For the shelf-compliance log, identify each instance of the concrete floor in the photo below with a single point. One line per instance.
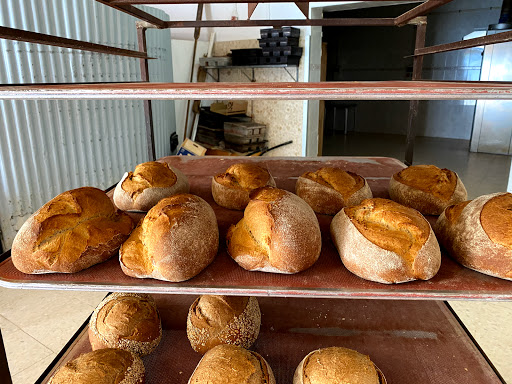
(36, 324)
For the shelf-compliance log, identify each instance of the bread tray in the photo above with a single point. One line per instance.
(328, 278)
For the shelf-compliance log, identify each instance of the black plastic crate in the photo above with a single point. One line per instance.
(291, 32)
(279, 42)
(246, 60)
(245, 52)
(282, 51)
(279, 32)
(289, 60)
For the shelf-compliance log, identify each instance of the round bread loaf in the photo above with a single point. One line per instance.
(328, 190)
(71, 232)
(147, 185)
(177, 239)
(427, 188)
(383, 241)
(214, 320)
(229, 364)
(336, 365)
(477, 233)
(231, 189)
(278, 233)
(104, 366)
(127, 321)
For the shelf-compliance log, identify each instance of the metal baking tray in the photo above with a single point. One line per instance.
(327, 278)
(410, 341)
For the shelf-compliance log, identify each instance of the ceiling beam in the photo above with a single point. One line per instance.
(135, 12)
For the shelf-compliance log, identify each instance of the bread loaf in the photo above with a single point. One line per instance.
(229, 364)
(336, 365)
(177, 239)
(478, 234)
(328, 190)
(127, 321)
(214, 320)
(104, 366)
(231, 189)
(71, 232)
(386, 242)
(278, 233)
(427, 188)
(147, 185)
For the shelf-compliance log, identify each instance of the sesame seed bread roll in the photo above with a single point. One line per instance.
(427, 188)
(279, 233)
(336, 365)
(177, 239)
(149, 183)
(73, 231)
(231, 189)
(128, 321)
(328, 190)
(477, 233)
(104, 366)
(214, 320)
(229, 364)
(383, 241)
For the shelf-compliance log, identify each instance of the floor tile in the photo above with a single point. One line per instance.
(31, 374)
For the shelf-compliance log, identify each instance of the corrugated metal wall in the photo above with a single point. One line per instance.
(47, 147)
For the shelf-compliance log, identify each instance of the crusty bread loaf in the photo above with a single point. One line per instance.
(386, 242)
(278, 233)
(478, 234)
(231, 189)
(427, 188)
(328, 190)
(229, 364)
(214, 320)
(71, 232)
(336, 365)
(147, 185)
(177, 239)
(127, 321)
(103, 366)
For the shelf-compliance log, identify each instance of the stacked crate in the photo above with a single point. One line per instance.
(210, 128)
(244, 136)
(280, 46)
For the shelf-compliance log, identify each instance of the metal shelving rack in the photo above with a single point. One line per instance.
(413, 90)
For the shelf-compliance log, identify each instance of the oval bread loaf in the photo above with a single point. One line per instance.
(73, 231)
(383, 241)
(427, 188)
(278, 233)
(478, 234)
(149, 183)
(328, 190)
(231, 189)
(176, 240)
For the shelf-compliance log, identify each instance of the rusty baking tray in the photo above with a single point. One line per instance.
(410, 341)
(327, 278)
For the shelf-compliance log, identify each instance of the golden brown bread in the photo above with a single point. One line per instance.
(231, 189)
(336, 365)
(229, 364)
(427, 188)
(278, 233)
(127, 321)
(71, 232)
(104, 366)
(386, 242)
(177, 239)
(477, 234)
(147, 185)
(214, 320)
(328, 190)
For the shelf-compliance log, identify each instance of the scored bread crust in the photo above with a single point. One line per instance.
(176, 240)
(74, 231)
(149, 196)
(148, 325)
(241, 327)
(279, 233)
(422, 201)
(326, 200)
(371, 262)
(469, 244)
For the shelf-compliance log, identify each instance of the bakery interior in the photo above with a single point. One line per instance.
(57, 139)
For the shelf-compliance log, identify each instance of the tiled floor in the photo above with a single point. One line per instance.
(36, 324)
